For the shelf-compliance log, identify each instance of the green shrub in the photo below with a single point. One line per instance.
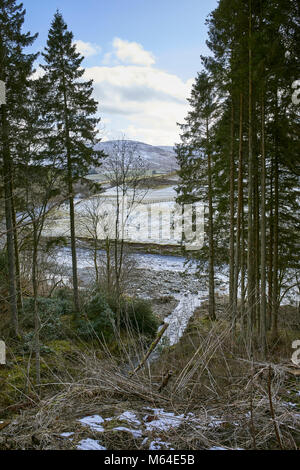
(138, 315)
(65, 296)
(50, 311)
(100, 319)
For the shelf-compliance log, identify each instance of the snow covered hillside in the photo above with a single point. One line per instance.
(161, 159)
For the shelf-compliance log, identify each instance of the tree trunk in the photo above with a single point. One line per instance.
(17, 260)
(73, 244)
(256, 245)
(95, 260)
(270, 254)
(243, 269)
(263, 326)
(231, 249)
(37, 322)
(121, 248)
(250, 254)
(108, 265)
(275, 289)
(7, 178)
(117, 280)
(237, 254)
(275, 251)
(212, 313)
(71, 202)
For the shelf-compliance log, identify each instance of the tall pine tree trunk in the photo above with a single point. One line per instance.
(237, 255)
(243, 271)
(212, 313)
(71, 203)
(73, 241)
(7, 177)
(275, 251)
(37, 322)
(250, 254)
(256, 244)
(231, 249)
(263, 326)
(17, 259)
(275, 287)
(270, 251)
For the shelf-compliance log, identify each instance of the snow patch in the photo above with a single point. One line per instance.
(289, 403)
(162, 421)
(159, 444)
(130, 417)
(94, 422)
(67, 434)
(90, 444)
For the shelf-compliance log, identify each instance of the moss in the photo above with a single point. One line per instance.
(61, 346)
(13, 379)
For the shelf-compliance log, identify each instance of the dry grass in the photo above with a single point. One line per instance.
(236, 401)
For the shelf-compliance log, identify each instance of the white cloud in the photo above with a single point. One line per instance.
(148, 101)
(39, 72)
(132, 53)
(86, 48)
(139, 84)
(135, 98)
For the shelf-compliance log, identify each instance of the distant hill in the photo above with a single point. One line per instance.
(159, 158)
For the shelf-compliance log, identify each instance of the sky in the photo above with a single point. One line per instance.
(143, 56)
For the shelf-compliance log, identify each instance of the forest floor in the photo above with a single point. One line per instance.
(197, 394)
(197, 391)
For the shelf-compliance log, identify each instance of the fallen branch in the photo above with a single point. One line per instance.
(151, 349)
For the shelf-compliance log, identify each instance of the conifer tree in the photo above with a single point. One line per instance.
(73, 109)
(195, 157)
(15, 70)
(255, 154)
(38, 183)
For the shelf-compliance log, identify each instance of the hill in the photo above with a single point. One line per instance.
(158, 158)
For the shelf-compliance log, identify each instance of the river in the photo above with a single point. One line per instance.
(155, 276)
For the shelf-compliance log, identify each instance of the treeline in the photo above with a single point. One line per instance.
(48, 132)
(239, 152)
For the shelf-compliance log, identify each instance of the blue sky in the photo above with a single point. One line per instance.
(142, 54)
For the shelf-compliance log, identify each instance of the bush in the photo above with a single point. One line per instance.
(101, 313)
(65, 296)
(100, 319)
(50, 311)
(138, 315)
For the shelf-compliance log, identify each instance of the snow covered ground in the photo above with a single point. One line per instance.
(145, 217)
(148, 424)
